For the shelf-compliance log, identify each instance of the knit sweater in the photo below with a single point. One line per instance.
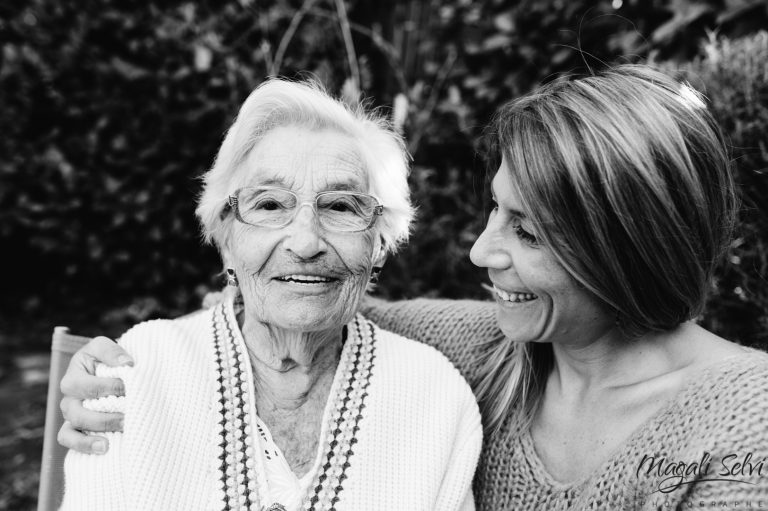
(692, 454)
(401, 429)
(717, 423)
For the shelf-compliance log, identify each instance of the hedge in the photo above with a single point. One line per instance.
(110, 111)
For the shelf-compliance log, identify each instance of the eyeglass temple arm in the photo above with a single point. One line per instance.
(231, 205)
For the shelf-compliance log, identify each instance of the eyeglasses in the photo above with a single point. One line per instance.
(272, 207)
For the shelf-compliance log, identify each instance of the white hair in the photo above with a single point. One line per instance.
(279, 103)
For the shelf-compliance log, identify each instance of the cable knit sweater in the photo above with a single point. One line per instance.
(401, 428)
(718, 422)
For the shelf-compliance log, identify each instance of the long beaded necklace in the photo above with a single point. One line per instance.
(238, 480)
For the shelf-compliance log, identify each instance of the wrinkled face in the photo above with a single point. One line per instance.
(301, 277)
(537, 299)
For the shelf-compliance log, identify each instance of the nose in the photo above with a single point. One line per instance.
(491, 248)
(304, 237)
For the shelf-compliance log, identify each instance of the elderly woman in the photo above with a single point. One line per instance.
(614, 202)
(283, 397)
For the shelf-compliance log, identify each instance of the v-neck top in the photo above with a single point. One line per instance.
(720, 417)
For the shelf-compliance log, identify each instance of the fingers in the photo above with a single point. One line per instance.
(79, 384)
(103, 349)
(87, 420)
(70, 438)
(79, 380)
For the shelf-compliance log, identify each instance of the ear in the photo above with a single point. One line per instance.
(226, 257)
(379, 253)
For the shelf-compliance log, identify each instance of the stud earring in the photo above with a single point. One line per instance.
(375, 274)
(231, 277)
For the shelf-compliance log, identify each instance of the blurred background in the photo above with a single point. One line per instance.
(110, 111)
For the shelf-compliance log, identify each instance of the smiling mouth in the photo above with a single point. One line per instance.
(514, 297)
(306, 279)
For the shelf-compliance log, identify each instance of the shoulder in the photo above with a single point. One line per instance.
(730, 398)
(420, 368)
(167, 350)
(174, 327)
(460, 329)
(742, 376)
(725, 418)
(158, 333)
(395, 349)
(415, 384)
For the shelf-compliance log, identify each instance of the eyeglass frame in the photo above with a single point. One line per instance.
(233, 203)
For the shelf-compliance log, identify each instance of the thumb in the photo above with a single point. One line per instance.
(105, 350)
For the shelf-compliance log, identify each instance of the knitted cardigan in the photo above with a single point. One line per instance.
(716, 428)
(401, 429)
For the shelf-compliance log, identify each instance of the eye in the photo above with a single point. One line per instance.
(524, 235)
(341, 206)
(267, 205)
(267, 200)
(342, 203)
(494, 208)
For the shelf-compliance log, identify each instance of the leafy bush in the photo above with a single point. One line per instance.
(734, 75)
(110, 111)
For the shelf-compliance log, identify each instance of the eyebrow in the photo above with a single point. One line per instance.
(342, 187)
(339, 186)
(272, 182)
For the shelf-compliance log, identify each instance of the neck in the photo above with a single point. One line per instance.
(290, 367)
(611, 361)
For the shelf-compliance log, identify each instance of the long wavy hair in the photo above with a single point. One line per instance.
(627, 180)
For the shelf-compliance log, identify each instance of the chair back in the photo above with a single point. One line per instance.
(51, 490)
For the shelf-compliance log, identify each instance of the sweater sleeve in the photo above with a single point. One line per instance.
(92, 481)
(460, 329)
(456, 487)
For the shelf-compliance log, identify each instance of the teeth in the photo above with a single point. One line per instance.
(304, 278)
(514, 297)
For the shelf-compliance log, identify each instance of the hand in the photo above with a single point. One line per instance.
(81, 383)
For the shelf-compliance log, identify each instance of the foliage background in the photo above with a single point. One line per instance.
(110, 111)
